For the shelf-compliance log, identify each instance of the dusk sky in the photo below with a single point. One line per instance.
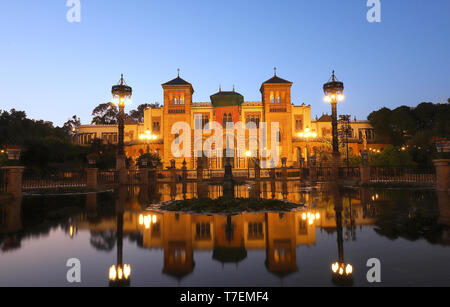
(53, 69)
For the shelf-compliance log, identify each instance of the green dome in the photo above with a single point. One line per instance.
(227, 99)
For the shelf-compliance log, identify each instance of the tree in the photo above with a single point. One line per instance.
(153, 160)
(106, 154)
(413, 128)
(391, 157)
(105, 114)
(71, 125)
(138, 115)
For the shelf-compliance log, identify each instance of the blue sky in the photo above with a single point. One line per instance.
(53, 69)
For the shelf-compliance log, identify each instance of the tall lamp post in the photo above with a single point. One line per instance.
(334, 90)
(121, 95)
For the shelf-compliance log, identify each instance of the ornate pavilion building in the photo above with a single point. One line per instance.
(154, 134)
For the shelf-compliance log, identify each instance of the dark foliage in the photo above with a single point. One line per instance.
(105, 114)
(414, 128)
(42, 144)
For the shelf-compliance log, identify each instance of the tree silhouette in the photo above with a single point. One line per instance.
(105, 114)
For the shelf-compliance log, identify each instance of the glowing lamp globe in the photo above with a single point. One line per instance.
(334, 90)
(121, 92)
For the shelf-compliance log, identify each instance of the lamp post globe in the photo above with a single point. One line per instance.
(121, 94)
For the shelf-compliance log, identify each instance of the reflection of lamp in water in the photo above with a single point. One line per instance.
(342, 272)
(311, 217)
(71, 229)
(119, 275)
(147, 220)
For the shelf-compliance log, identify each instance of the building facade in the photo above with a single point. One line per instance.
(276, 106)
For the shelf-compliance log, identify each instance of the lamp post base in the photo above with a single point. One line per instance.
(335, 164)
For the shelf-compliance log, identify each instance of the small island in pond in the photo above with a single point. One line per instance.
(229, 205)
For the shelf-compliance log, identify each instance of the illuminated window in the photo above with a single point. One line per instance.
(156, 126)
(255, 231)
(253, 118)
(203, 231)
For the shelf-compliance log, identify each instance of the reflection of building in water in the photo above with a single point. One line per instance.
(230, 237)
(10, 223)
(281, 258)
(229, 244)
(444, 215)
(281, 190)
(178, 251)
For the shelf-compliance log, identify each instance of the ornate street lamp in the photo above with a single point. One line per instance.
(334, 90)
(121, 95)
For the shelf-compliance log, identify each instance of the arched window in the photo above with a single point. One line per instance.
(278, 99)
(230, 118)
(224, 120)
(175, 101)
(181, 100)
(272, 98)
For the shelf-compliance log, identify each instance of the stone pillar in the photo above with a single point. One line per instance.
(335, 164)
(14, 174)
(442, 174)
(313, 173)
(284, 169)
(184, 171)
(364, 170)
(123, 176)
(199, 170)
(144, 176)
(272, 174)
(173, 171)
(257, 170)
(91, 178)
(153, 175)
(121, 162)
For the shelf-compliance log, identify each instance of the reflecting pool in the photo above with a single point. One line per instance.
(120, 240)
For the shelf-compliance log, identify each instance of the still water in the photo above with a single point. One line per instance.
(407, 230)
